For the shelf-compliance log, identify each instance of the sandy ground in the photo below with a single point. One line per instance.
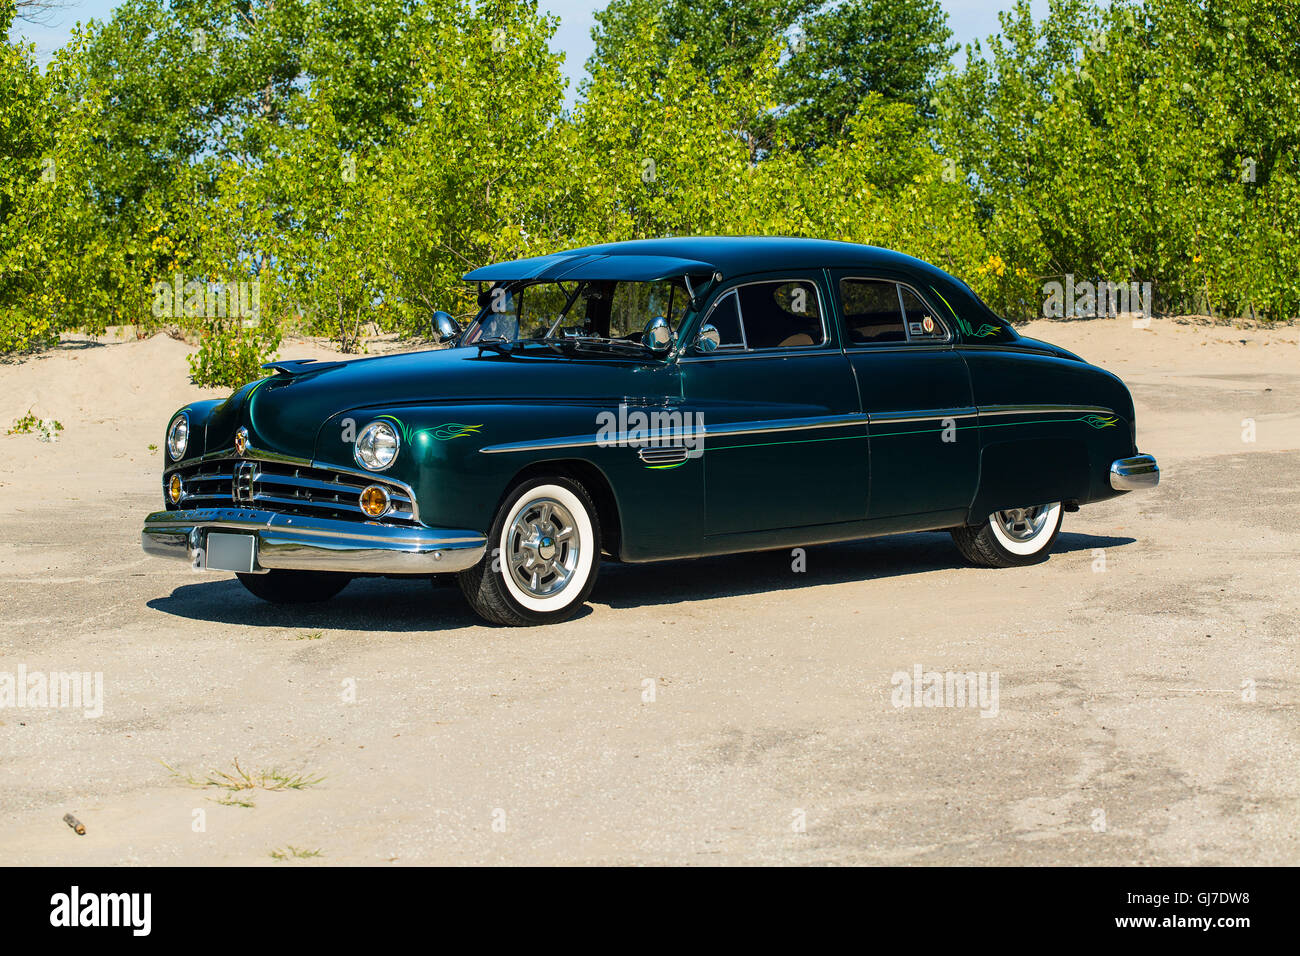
(1122, 733)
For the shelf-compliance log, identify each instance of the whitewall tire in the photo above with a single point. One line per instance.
(1012, 537)
(545, 555)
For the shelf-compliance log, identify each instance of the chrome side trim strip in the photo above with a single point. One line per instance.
(992, 410)
(787, 424)
(797, 424)
(545, 444)
(734, 428)
(735, 355)
(924, 415)
(885, 347)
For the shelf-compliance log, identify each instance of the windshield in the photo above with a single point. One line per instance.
(612, 313)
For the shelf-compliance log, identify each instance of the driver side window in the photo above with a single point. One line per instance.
(725, 317)
(781, 315)
(769, 315)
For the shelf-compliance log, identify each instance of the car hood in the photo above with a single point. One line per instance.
(283, 413)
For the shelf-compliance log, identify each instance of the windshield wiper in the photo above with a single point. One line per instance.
(596, 342)
(498, 343)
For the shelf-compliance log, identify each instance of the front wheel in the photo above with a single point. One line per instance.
(1011, 538)
(545, 555)
(282, 586)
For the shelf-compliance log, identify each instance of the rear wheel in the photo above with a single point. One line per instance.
(282, 586)
(1010, 538)
(545, 555)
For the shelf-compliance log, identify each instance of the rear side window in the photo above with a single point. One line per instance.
(783, 314)
(922, 326)
(872, 312)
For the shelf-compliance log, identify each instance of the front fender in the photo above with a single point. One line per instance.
(460, 460)
(200, 414)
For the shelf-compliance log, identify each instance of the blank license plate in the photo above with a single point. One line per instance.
(230, 552)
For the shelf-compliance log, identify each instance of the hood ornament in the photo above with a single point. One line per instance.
(241, 441)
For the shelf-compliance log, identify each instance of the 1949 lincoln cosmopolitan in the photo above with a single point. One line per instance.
(650, 400)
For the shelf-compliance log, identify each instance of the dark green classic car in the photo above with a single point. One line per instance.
(647, 401)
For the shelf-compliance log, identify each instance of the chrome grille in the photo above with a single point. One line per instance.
(285, 488)
(241, 490)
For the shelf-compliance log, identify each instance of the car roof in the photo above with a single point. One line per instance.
(643, 259)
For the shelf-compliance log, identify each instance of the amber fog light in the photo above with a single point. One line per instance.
(174, 489)
(374, 501)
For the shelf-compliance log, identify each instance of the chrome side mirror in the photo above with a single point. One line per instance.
(443, 327)
(708, 339)
(657, 335)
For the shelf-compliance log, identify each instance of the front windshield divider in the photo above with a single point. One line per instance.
(690, 290)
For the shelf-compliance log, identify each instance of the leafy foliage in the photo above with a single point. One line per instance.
(1154, 142)
(354, 157)
(854, 49)
(47, 428)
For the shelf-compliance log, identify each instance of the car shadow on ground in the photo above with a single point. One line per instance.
(367, 604)
(395, 605)
(629, 585)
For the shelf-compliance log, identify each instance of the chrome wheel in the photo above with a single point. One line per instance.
(545, 555)
(1013, 537)
(542, 551)
(1024, 524)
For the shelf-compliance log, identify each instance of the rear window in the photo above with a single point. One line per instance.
(922, 326)
(871, 311)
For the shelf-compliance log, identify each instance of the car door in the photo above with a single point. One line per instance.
(785, 442)
(916, 390)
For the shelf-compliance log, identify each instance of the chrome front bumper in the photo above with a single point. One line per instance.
(316, 544)
(1134, 474)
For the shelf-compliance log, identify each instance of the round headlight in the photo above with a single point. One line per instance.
(376, 446)
(178, 436)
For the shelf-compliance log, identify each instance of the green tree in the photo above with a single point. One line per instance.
(1147, 142)
(24, 141)
(378, 231)
(848, 50)
(722, 35)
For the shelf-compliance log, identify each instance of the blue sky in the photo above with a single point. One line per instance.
(968, 19)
